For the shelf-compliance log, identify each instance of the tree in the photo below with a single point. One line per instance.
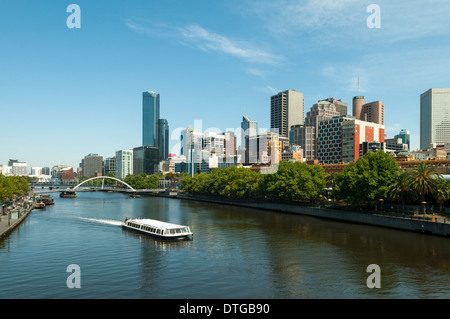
(422, 180)
(367, 180)
(441, 192)
(13, 185)
(400, 189)
(295, 181)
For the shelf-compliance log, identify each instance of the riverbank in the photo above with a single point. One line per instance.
(433, 227)
(8, 224)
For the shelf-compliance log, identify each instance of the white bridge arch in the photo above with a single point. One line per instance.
(103, 178)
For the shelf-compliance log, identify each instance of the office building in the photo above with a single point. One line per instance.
(286, 110)
(19, 168)
(368, 112)
(150, 117)
(305, 137)
(109, 166)
(395, 145)
(163, 139)
(340, 139)
(91, 165)
(145, 160)
(36, 171)
(248, 129)
(190, 139)
(405, 136)
(265, 148)
(124, 163)
(434, 117)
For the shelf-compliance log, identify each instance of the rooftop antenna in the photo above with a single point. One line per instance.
(358, 86)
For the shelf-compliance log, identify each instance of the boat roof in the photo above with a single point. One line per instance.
(155, 223)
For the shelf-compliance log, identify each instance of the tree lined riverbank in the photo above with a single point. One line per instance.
(373, 179)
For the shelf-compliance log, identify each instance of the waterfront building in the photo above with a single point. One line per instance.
(19, 169)
(145, 160)
(6, 170)
(434, 117)
(248, 129)
(67, 175)
(368, 112)
(36, 171)
(109, 166)
(124, 163)
(405, 136)
(91, 165)
(150, 117)
(45, 170)
(286, 110)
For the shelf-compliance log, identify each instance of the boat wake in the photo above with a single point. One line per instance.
(102, 221)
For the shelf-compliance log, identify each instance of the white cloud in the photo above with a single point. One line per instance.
(209, 41)
(335, 22)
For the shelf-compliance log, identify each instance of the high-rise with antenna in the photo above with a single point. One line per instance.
(358, 102)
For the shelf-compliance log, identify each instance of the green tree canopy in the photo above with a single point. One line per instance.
(13, 185)
(367, 180)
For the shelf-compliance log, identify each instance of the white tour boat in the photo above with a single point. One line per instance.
(157, 228)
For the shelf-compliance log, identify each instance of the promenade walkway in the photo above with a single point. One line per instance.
(8, 222)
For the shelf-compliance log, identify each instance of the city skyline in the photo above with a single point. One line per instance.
(79, 90)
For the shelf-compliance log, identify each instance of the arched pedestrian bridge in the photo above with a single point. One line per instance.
(77, 188)
(103, 182)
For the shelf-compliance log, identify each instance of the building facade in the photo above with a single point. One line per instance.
(286, 110)
(145, 160)
(163, 139)
(368, 112)
(405, 136)
(91, 165)
(340, 139)
(124, 163)
(434, 117)
(248, 129)
(150, 117)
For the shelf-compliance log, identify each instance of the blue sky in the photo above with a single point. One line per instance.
(66, 93)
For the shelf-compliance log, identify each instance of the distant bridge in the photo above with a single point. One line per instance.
(94, 189)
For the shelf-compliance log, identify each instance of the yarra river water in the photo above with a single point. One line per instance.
(236, 253)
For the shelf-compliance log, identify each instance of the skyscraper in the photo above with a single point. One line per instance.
(150, 117)
(163, 139)
(434, 117)
(248, 129)
(286, 109)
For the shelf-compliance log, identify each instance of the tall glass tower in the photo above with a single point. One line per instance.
(434, 117)
(150, 117)
(163, 139)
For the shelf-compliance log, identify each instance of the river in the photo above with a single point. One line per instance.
(236, 253)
